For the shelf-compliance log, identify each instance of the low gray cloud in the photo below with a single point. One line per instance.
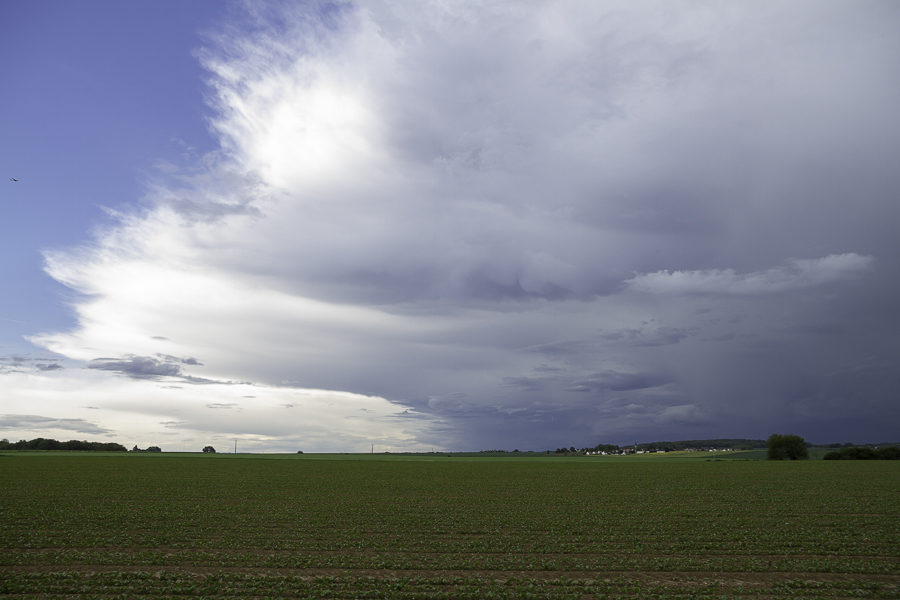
(530, 384)
(48, 367)
(798, 274)
(617, 382)
(24, 363)
(137, 367)
(663, 336)
(35, 422)
(158, 368)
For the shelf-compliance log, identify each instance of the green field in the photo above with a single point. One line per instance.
(433, 526)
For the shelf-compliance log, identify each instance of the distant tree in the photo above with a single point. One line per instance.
(45, 444)
(154, 449)
(299, 451)
(572, 449)
(209, 449)
(108, 447)
(781, 447)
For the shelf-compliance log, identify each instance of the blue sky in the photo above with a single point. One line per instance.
(96, 93)
(454, 225)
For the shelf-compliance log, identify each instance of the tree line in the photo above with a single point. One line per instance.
(794, 447)
(733, 443)
(864, 453)
(71, 445)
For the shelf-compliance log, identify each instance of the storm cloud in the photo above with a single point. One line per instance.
(529, 224)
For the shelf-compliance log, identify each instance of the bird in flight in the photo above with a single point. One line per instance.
(13, 179)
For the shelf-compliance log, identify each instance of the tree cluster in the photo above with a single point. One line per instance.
(209, 449)
(781, 447)
(71, 445)
(605, 448)
(862, 453)
(149, 449)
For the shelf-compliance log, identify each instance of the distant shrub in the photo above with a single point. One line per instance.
(209, 449)
(863, 453)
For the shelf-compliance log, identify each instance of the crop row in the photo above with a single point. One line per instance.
(162, 584)
(451, 562)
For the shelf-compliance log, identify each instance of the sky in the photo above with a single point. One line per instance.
(449, 225)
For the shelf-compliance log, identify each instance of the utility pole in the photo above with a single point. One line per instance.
(373, 448)
(235, 446)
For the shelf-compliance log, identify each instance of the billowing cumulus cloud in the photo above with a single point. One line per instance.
(522, 224)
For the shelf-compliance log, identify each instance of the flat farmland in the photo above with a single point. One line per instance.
(308, 526)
